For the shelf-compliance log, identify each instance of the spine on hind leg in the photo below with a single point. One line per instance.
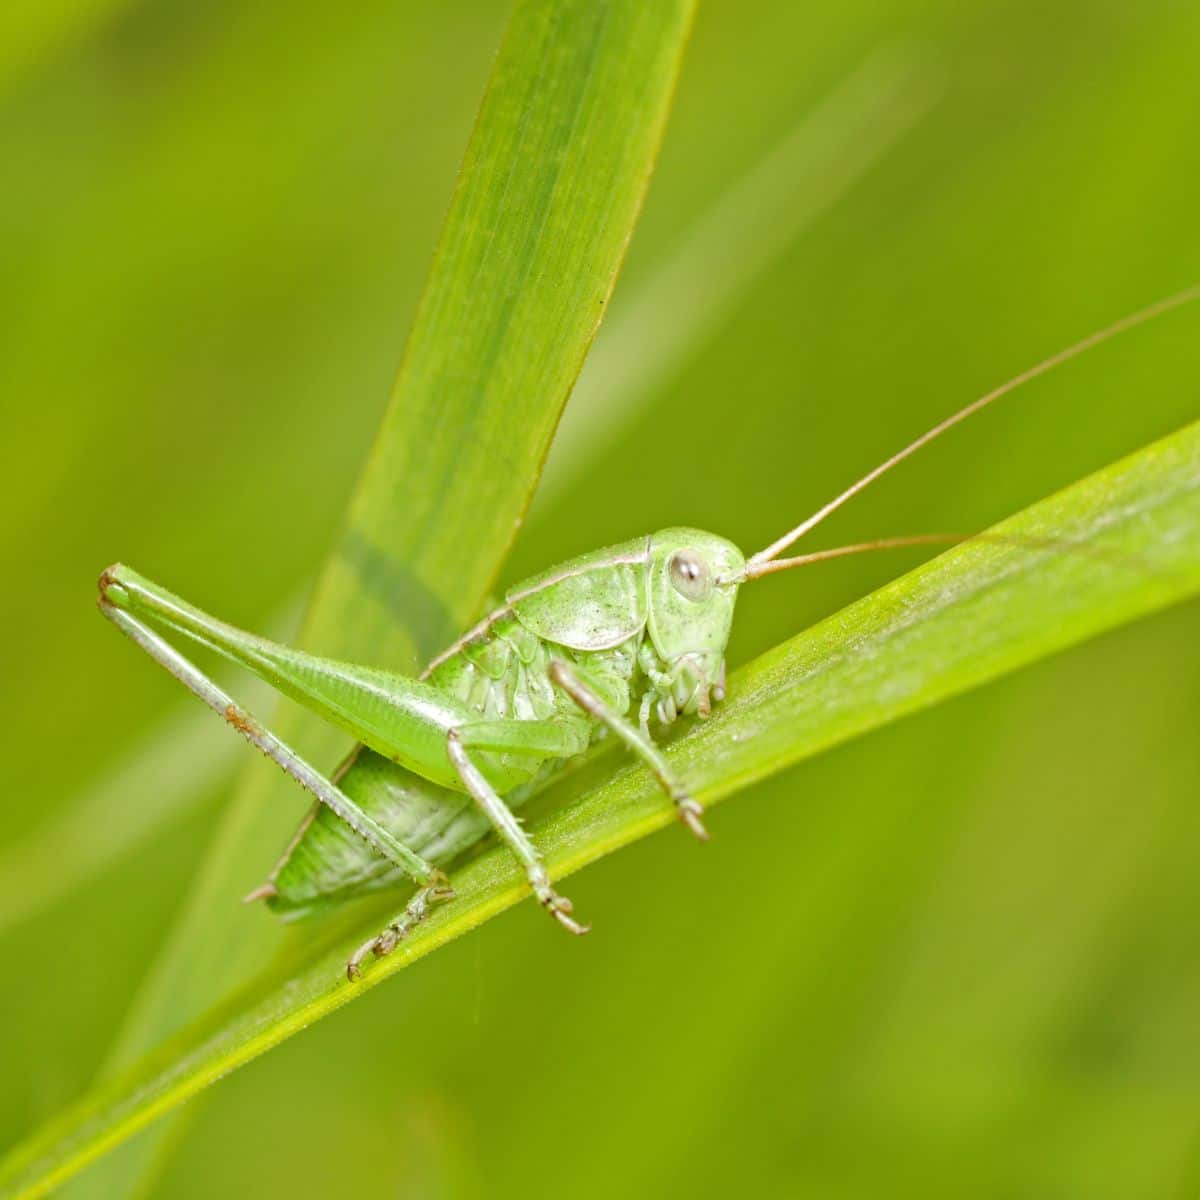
(327, 862)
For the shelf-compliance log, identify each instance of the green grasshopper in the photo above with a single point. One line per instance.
(603, 644)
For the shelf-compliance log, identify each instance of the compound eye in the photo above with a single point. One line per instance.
(690, 576)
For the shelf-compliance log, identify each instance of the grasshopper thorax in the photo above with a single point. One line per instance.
(692, 584)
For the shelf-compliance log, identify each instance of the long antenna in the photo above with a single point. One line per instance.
(758, 570)
(1056, 360)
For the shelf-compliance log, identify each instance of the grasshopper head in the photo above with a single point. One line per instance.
(692, 587)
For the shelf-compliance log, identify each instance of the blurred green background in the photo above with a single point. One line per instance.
(961, 957)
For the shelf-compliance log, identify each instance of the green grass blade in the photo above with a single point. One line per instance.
(546, 203)
(971, 615)
(550, 189)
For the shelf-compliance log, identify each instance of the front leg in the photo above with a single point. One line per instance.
(686, 807)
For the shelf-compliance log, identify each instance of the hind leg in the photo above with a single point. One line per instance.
(433, 884)
(274, 748)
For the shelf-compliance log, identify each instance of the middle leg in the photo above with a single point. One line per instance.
(502, 818)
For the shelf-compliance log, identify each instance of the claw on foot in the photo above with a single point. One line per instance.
(690, 812)
(438, 891)
(354, 966)
(560, 908)
(380, 946)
